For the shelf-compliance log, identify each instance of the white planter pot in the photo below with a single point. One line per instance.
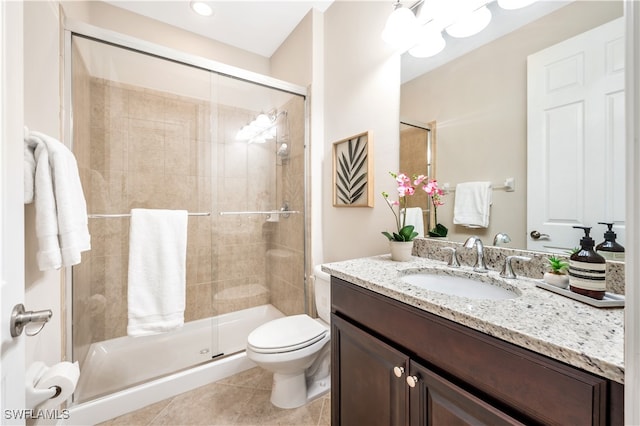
(401, 250)
(559, 280)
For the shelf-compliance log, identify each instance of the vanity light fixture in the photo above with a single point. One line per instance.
(421, 34)
(202, 8)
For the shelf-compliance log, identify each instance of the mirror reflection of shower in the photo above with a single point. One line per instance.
(266, 127)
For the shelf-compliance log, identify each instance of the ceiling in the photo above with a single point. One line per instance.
(261, 26)
(258, 26)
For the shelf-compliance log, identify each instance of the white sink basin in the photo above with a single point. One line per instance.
(459, 286)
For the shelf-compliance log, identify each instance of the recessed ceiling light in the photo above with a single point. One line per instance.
(201, 8)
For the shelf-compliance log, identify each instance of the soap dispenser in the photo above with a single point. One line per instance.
(609, 248)
(587, 268)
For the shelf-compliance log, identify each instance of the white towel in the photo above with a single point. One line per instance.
(414, 217)
(157, 270)
(29, 167)
(61, 209)
(472, 204)
(29, 172)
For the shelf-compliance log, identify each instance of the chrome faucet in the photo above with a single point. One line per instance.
(453, 260)
(507, 269)
(480, 266)
(501, 238)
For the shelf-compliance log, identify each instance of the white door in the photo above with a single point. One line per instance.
(12, 352)
(576, 138)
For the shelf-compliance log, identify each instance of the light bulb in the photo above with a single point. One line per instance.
(262, 121)
(201, 8)
(400, 29)
(471, 23)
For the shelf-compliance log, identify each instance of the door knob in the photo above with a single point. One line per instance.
(412, 381)
(20, 318)
(398, 371)
(537, 235)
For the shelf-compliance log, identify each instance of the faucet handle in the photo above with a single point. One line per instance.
(507, 269)
(453, 260)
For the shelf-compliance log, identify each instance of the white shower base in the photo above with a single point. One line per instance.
(127, 361)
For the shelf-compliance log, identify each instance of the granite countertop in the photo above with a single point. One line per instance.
(561, 328)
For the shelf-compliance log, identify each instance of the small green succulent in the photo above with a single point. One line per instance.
(557, 265)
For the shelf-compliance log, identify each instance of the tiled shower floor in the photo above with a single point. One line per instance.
(242, 399)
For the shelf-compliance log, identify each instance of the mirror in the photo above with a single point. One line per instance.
(417, 149)
(479, 103)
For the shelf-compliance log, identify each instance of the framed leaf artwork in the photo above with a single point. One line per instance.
(352, 172)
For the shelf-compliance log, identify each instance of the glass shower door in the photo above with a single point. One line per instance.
(142, 137)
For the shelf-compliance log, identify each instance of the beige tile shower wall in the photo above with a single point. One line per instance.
(85, 307)
(245, 181)
(147, 150)
(155, 150)
(285, 269)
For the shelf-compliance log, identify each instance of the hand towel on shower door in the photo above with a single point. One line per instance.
(157, 270)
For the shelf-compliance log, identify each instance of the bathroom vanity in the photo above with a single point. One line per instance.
(405, 356)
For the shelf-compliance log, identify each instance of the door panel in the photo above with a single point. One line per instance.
(12, 355)
(575, 138)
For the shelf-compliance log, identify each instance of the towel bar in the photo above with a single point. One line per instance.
(508, 186)
(100, 216)
(261, 212)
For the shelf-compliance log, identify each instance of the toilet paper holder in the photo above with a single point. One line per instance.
(47, 387)
(35, 397)
(20, 318)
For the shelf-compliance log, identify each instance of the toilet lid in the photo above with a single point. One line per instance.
(286, 334)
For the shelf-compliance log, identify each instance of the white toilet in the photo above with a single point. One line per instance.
(297, 349)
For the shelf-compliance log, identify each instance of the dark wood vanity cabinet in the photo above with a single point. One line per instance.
(393, 364)
(370, 392)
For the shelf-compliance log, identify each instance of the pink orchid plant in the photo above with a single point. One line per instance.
(435, 194)
(406, 188)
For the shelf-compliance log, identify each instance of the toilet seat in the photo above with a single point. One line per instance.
(286, 334)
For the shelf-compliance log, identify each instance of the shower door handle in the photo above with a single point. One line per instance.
(20, 318)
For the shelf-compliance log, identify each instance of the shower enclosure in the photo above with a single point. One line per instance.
(159, 131)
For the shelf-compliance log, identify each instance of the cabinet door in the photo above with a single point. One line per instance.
(365, 387)
(435, 401)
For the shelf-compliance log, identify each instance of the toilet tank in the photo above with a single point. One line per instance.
(322, 293)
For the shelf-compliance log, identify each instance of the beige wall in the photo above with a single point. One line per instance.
(292, 61)
(362, 94)
(479, 104)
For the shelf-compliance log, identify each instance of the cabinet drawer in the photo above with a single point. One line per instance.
(540, 389)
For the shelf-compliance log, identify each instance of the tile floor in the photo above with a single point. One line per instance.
(242, 399)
